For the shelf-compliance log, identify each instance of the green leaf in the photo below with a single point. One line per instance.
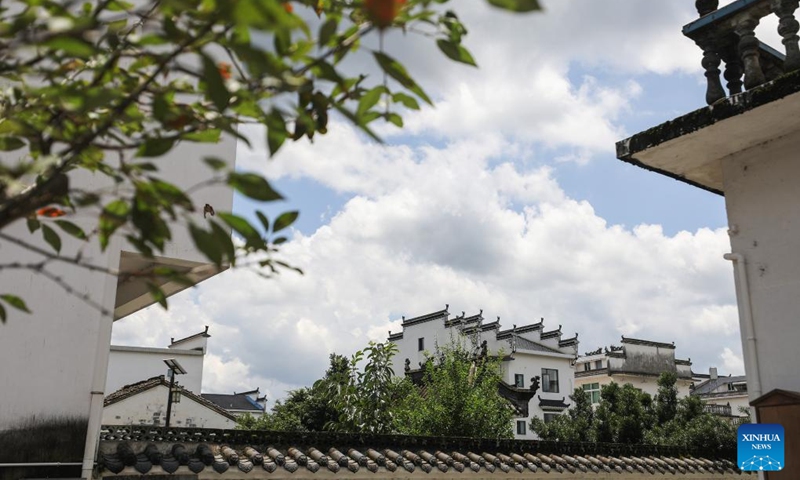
(15, 302)
(395, 119)
(407, 100)
(33, 224)
(243, 227)
(113, 216)
(276, 131)
(224, 239)
(253, 186)
(216, 163)
(327, 31)
(2, 314)
(155, 147)
(8, 144)
(52, 238)
(369, 100)
(215, 85)
(157, 294)
(264, 220)
(71, 229)
(395, 70)
(71, 46)
(205, 136)
(517, 5)
(284, 220)
(456, 52)
(206, 243)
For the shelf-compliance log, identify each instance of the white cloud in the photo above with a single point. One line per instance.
(427, 226)
(733, 362)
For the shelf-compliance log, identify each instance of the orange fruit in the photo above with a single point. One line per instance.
(383, 12)
(51, 212)
(224, 70)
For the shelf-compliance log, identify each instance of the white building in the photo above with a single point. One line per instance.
(145, 403)
(635, 361)
(724, 396)
(529, 355)
(128, 365)
(55, 359)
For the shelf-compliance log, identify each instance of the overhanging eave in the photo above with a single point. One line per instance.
(690, 148)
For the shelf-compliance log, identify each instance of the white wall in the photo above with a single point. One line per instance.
(150, 408)
(763, 204)
(48, 356)
(127, 365)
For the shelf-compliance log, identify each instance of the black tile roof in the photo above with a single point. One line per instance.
(526, 344)
(546, 403)
(637, 341)
(135, 451)
(237, 401)
(425, 318)
(709, 386)
(204, 333)
(135, 388)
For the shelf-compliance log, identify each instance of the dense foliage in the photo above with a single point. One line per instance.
(458, 397)
(106, 89)
(627, 415)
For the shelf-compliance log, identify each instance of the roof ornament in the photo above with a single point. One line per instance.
(206, 330)
(446, 307)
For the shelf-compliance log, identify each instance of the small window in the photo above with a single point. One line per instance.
(519, 380)
(421, 344)
(593, 390)
(549, 417)
(587, 366)
(550, 380)
(598, 364)
(521, 427)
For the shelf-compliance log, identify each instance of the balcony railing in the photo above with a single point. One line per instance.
(728, 35)
(724, 410)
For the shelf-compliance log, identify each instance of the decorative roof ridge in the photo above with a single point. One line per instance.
(426, 317)
(523, 329)
(569, 341)
(132, 389)
(551, 333)
(139, 387)
(651, 343)
(257, 390)
(204, 333)
(464, 319)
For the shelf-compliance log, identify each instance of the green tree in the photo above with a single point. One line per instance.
(107, 88)
(459, 396)
(578, 425)
(304, 409)
(366, 398)
(666, 400)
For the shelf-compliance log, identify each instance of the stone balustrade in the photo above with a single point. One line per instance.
(727, 35)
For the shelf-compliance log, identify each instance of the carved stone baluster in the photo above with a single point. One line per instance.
(787, 28)
(733, 73)
(705, 7)
(748, 50)
(711, 63)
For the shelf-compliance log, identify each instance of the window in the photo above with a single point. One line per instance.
(550, 380)
(521, 427)
(587, 366)
(519, 380)
(421, 344)
(598, 364)
(549, 417)
(593, 390)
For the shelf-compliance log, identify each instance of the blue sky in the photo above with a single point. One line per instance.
(505, 197)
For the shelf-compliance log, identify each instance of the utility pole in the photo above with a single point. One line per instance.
(175, 368)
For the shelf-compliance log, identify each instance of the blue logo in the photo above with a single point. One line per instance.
(760, 447)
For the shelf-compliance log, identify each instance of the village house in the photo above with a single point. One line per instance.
(537, 365)
(634, 361)
(724, 396)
